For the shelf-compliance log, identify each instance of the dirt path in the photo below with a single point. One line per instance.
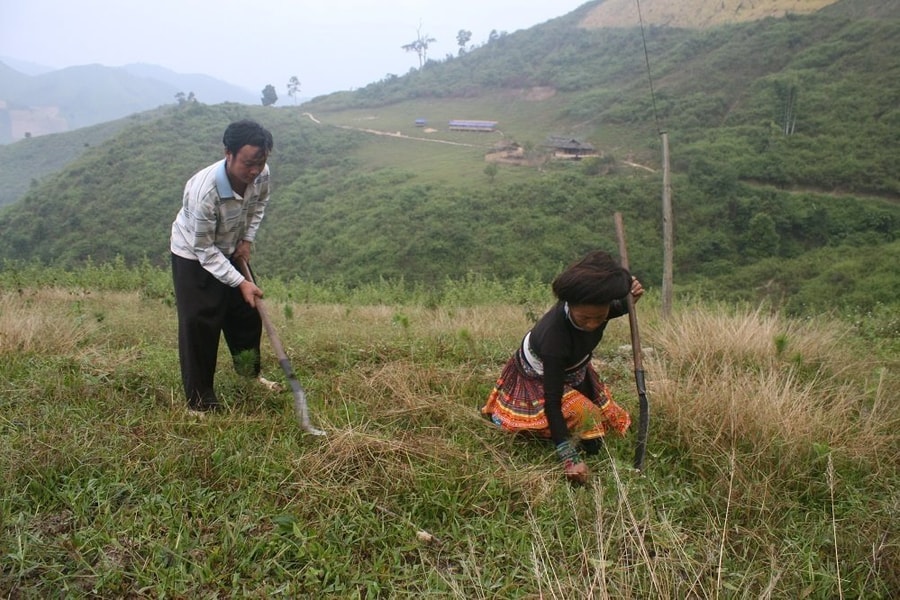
(638, 166)
(807, 189)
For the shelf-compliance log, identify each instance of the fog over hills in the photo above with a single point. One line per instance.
(61, 100)
(23, 66)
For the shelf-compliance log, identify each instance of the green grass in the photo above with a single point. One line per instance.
(40, 157)
(523, 117)
(517, 116)
(772, 469)
(435, 156)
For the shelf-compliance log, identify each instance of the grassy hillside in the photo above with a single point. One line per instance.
(31, 160)
(401, 273)
(357, 207)
(804, 100)
(781, 134)
(772, 466)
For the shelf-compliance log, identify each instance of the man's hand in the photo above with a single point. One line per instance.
(242, 252)
(250, 292)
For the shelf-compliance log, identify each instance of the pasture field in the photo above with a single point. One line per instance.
(772, 466)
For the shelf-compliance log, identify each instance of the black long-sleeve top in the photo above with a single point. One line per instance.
(564, 348)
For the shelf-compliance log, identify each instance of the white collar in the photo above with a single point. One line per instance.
(569, 317)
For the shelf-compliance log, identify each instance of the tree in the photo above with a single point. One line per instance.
(293, 88)
(420, 45)
(269, 97)
(761, 238)
(786, 92)
(491, 171)
(462, 39)
(182, 99)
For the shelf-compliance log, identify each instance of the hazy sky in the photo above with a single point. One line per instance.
(329, 45)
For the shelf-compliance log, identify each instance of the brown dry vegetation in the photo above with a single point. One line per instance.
(777, 386)
(694, 14)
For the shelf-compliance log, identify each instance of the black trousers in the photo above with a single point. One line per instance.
(208, 308)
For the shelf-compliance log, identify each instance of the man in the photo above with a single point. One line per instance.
(222, 209)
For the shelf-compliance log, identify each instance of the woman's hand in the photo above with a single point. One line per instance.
(637, 290)
(575, 469)
(578, 472)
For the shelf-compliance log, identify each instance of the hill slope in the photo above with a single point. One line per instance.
(362, 193)
(705, 14)
(31, 160)
(695, 14)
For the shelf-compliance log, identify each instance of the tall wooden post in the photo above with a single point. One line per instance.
(668, 243)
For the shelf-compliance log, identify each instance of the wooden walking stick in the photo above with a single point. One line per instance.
(644, 419)
(300, 407)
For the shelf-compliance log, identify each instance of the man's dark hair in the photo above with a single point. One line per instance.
(596, 279)
(247, 133)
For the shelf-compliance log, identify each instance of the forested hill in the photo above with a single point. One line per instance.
(782, 136)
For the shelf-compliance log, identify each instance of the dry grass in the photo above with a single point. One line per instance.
(46, 320)
(768, 439)
(695, 14)
(780, 386)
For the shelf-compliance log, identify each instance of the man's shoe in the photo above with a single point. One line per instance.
(202, 407)
(272, 386)
(591, 447)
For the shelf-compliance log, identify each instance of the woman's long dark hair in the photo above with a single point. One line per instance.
(596, 279)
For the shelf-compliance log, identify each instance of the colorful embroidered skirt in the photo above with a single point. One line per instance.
(517, 403)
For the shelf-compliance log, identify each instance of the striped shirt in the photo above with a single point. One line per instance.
(213, 219)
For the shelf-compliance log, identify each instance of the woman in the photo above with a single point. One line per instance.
(549, 386)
